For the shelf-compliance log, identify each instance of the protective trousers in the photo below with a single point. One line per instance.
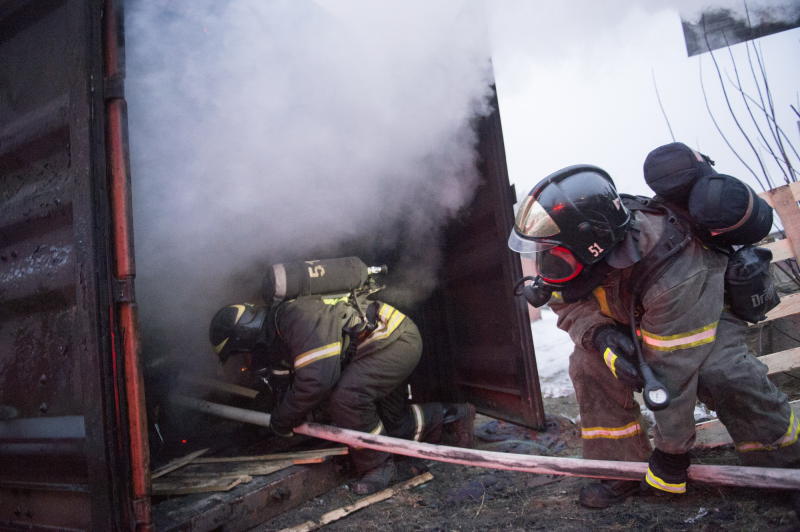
(370, 396)
(730, 381)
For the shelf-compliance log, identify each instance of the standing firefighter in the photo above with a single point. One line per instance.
(348, 352)
(642, 298)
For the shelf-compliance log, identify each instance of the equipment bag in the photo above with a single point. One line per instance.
(731, 211)
(672, 169)
(749, 289)
(723, 210)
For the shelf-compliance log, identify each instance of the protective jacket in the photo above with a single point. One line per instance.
(360, 377)
(693, 346)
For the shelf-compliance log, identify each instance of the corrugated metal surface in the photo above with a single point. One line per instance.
(476, 330)
(55, 364)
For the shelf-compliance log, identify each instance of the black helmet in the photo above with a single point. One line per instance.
(571, 218)
(238, 328)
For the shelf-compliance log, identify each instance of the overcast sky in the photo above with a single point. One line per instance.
(575, 83)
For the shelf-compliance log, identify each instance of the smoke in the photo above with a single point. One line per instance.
(263, 131)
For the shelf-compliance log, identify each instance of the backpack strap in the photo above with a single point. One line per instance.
(677, 234)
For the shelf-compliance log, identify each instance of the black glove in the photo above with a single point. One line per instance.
(667, 472)
(279, 430)
(618, 351)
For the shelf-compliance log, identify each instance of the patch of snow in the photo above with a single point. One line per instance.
(553, 347)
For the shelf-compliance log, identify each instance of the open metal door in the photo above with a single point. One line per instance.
(64, 450)
(486, 356)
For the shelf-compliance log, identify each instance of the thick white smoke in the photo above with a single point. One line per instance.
(270, 130)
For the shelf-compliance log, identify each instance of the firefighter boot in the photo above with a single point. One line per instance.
(606, 493)
(459, 424)
(375, 479)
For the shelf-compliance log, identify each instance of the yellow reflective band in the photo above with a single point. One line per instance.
(611, 360)
(703, 335)
(612, 433)
(218, 348)
(379, 429)
(660, 484)
(320, 353)
(419, 421)
(602, 300)
(334, 300)
(239, 311)
(389, 318)
(789, 438)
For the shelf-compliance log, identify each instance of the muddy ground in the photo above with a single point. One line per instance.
(465, 498)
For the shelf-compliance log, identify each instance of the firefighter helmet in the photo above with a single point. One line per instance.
(238, 328)
(570, 219)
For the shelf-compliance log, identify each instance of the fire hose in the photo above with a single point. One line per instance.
(719, 475)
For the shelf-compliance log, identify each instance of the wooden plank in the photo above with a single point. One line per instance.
(249, 505)
(247, 468)
(335, 515)
(789, 305)
(176, 464)
(298, 455)
(784, 200)
(714, 434)
(782, 360)
(185, 486)
(781, 249)
(794, 190)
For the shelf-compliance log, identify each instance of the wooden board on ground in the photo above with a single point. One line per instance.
(176, 464)
(714, 434)
(298, 455)
(335, 515)
(185, 486)
(248, 468)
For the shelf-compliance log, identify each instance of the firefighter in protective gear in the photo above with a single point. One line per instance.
(355, 362)
(694, 346)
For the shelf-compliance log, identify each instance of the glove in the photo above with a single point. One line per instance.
(667, 472)
(617, 349)
(279, 430)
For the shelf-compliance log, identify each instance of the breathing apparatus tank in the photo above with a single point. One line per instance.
(288, 280)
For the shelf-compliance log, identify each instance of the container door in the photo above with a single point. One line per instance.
(62, 451)
(479, 331)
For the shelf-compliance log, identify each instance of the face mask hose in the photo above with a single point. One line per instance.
(537, 293)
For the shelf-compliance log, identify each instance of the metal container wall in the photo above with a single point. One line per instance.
(58, 441)
(477, 333)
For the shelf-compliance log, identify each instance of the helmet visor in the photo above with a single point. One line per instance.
(533, 222)
(524, 246)
(558, 265)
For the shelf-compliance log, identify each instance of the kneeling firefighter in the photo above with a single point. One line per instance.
(642, 298)
(344, 352)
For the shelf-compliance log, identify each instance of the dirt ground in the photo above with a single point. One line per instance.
(463, 498)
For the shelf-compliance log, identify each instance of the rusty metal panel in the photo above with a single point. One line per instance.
(477, 333)
(57, 452)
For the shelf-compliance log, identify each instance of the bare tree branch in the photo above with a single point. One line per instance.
(719, 130)
(660, 105)
(728, 103)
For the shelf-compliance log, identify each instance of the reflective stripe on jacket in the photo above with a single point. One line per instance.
(679, 311)
(311, 327)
